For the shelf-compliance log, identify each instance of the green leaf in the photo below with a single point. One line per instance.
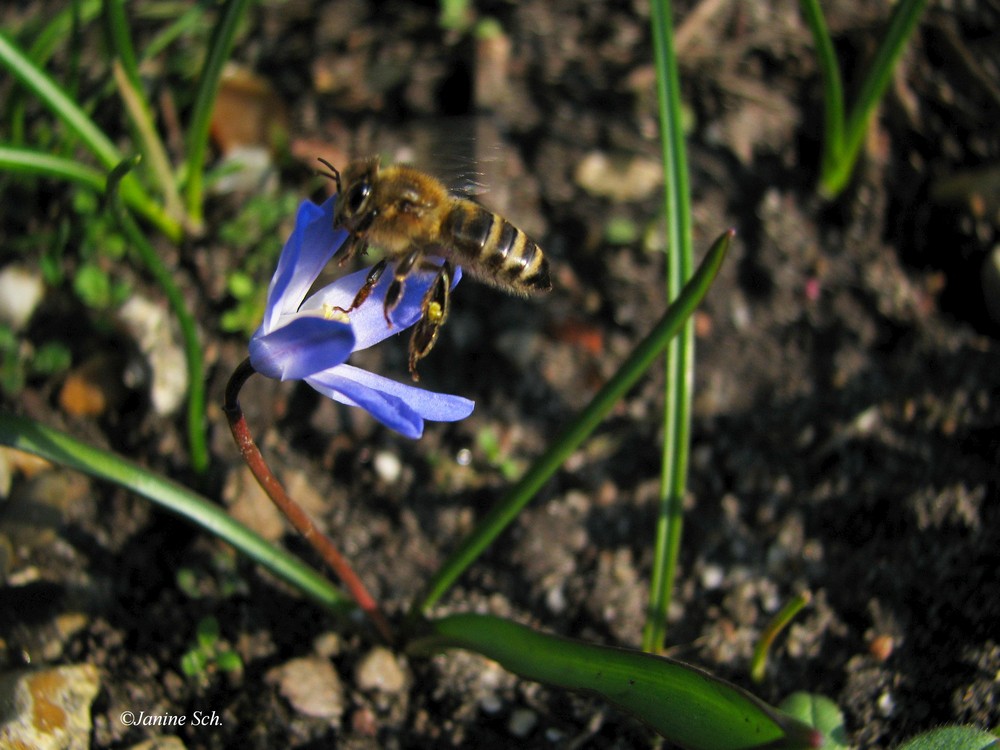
(819, 712)
(686, 705)
(621, 230)
(229, 661)
(194, 663)
(187, 581)
(51, 358)
(93, 286)
(11, 367)
(240, 285)
(207, 633)
(953, 738)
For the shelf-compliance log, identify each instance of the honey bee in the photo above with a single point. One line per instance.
(412, 216)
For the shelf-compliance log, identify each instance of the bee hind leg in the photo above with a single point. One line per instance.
(435, 312)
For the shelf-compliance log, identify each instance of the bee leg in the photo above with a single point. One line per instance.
(395, 292)
(435, 312)
(366, 289)
(356, 246)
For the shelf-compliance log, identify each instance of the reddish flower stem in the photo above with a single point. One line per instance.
(292, 510)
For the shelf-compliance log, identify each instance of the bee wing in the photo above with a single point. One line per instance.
(465, 153)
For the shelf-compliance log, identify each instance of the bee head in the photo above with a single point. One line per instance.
(354, 210)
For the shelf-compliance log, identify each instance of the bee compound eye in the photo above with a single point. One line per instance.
(357, 196)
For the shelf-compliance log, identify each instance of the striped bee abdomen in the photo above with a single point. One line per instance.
(495, 249)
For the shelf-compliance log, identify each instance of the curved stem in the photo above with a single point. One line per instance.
(291, 509)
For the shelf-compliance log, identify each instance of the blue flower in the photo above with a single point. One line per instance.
(307, 339)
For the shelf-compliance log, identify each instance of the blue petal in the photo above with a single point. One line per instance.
(310, 247)
(439, 407)
(390, 410)
(304, 346)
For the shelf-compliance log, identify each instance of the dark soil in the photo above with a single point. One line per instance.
(847, 420)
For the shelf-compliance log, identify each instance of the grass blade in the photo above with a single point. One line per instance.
(152, 147)
(680, 352)
(126, 73)
(844, 134)
(758, 663)
(684, 704)
(120, 37)
(58, 447)
(901, 26)
(197, 441)
(219, 48)
(631, 370)
(833, 88)
(30, 162)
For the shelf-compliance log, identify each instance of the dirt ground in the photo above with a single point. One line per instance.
(847, 421)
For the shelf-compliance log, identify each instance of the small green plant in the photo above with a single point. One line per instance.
(621, 230)
(844, 132)
(220, 578)
(20, 361)
(209, 653)
(455, 15)
(488, 442)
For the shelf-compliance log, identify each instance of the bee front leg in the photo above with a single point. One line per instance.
(366, 289)
(356, 246)
(435, 312)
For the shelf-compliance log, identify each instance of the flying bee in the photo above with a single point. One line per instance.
(412, 216)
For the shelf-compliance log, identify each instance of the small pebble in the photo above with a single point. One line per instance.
(521, 722)
(48, 709)
(881, 647)
(555, 600)
(152, 327)
(620, 179)
(886, 704)
(712, 577)
(380, 670)
(20, 292)
(388, 467)
(311, 685)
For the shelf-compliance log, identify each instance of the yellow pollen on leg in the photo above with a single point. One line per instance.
(434, 312)
(335, 313)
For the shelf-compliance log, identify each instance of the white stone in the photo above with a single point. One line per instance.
(20, 292)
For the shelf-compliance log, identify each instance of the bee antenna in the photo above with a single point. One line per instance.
(333, 174)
